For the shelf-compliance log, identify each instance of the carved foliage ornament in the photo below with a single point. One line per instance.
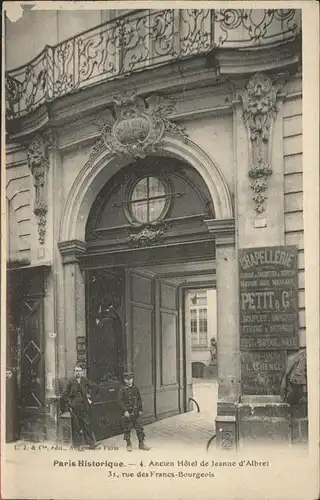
(259, 110)
(147, 236)
(38, 163)
(135, 125)
(259, 173)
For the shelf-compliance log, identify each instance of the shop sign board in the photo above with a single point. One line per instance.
(269, 316)
(262, 371)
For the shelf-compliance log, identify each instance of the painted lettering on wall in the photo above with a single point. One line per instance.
(262, 371)
(269, 298)
(266, 256)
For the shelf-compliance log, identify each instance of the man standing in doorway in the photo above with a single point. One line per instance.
(78, 398)
(130, 402)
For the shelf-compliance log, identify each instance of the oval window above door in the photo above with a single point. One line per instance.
(148, 200)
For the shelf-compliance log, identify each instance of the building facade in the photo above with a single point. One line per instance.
(201, 327)
(145, 149)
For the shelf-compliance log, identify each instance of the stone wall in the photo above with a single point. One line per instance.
(294, 228)
(211, 130)
(19, 205)
(293, 190)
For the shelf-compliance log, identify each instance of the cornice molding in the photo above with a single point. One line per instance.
(243, 62)
(14, 147)
(293, 95)
(33, 123)
(71, 250)
(172, 77)
(223, 230)
(180, 117)
(46, 266)
(15, 164)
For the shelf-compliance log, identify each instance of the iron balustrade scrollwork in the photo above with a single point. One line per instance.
(136, 41)
(29, 86)
(247, 27)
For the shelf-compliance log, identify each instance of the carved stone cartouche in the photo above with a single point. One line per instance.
(135, 125)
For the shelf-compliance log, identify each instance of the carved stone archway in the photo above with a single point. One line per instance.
(96, 173)
(103, 163)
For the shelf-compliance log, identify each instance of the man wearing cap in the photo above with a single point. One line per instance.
(78, 400)
(131, 407)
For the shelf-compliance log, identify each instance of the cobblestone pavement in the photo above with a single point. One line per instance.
(49, 470)
(184, 430)
(191, 429)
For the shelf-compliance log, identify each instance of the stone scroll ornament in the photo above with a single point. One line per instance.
(146, 237)
(135, 125)
(259, 110)
(38, 163)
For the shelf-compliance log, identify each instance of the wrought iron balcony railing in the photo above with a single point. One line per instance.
(136, 41)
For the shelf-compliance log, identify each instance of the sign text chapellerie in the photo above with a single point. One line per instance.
(269, 298)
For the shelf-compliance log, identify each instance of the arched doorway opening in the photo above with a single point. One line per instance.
(95, 173)
(148, 216)
(158, 223)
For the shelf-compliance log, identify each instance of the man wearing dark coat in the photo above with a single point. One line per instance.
(77, 396)
(130, 402)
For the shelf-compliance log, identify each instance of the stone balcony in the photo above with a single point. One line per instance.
(140, 40)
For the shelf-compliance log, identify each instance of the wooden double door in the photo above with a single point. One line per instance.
(132, 323)
(25, 384)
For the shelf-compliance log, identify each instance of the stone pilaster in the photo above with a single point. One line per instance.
(258, 139)
(48, 250)
(56, 203)
(228, 331)
(50, 358)
(74, 322)
(259, 161)
(74, 300)
(37, 157)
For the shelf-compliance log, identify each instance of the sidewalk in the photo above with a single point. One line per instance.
(187, 429)
(191, 429)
